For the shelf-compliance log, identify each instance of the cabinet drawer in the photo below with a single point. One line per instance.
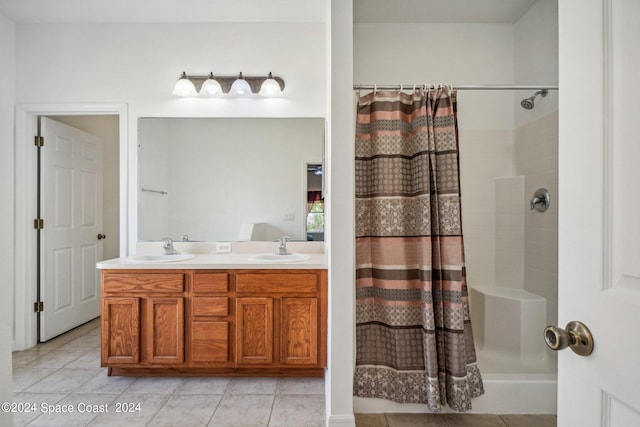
(209, 342)
(213, 306)
(277, 282)
(143, 282)
(210, 282)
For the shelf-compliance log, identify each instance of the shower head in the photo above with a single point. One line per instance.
(528, 103)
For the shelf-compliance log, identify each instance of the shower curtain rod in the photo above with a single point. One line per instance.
(458, 87)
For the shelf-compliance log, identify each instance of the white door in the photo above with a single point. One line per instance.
(599, 210)
(71, 206)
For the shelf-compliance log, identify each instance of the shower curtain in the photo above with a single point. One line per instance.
(414, 342)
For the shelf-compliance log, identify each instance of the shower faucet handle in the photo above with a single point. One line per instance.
(540, 200)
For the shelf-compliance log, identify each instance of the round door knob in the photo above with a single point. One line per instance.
(102, 236)
(576, 336)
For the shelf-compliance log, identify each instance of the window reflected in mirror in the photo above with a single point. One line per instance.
(315, 203)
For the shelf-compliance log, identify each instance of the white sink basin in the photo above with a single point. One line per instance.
(159, 258)
(275, 258)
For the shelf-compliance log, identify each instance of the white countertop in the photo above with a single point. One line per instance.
(204, 256)
(215, 261)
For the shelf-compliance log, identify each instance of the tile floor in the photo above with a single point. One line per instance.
(65, 372)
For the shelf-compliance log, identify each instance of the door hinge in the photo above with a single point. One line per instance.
(38, 223)
(39, 141)
(38, 307)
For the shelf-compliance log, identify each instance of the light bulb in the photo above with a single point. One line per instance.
(240, 87)
(211, 87)
(270, 87)
(184, 86)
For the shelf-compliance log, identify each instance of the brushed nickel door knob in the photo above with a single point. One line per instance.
(576, 336)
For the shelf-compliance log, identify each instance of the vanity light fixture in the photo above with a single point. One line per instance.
(236, 86)
(270, 88)
(240, 87)
(184, 86)
(211, 87)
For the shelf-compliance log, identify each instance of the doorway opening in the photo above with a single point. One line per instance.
(108, 120)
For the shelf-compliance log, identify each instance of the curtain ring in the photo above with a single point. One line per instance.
(414, 88)
(375, 89)
(401, 88)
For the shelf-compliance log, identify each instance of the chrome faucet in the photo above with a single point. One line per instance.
(282, 249)
(168, 247)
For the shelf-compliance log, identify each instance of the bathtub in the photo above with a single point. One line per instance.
(518, 371)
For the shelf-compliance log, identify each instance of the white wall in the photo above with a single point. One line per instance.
(340, 225)
(220, 174)
(139, 64)
(7, 98)
(457, 54)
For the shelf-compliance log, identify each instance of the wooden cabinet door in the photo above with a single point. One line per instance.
(254, 331)
(209, 341)
(299, 331)
(164, 330)
(120, 330)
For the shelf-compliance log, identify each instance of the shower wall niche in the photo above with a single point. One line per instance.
(506, 152)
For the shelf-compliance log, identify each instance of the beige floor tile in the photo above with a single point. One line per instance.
(416, 420)
(63, 381)
(195, 385)
(252, 386)
(84, 409)
(150, 385)
(141, 409)
(530, 420)
(102, 383)
(473, 420)
(21, 358)
(84, 342)
(371, 420)
(242, 410)
(187, 410)
(89, 360)
(298, 411)
(35, 400)
(23, 378)
(55, 359)
(57, 342)
(301, 386)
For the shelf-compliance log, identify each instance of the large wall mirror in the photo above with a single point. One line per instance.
(228, 179)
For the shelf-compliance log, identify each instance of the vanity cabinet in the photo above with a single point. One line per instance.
(278, 319)
(231, 322)
(142, 319)
(210, 320)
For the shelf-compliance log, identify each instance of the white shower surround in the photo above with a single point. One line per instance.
(497, 140)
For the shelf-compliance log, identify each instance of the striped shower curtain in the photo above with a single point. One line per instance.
(414, 342)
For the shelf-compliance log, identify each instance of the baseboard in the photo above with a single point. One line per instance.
(348, 420)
